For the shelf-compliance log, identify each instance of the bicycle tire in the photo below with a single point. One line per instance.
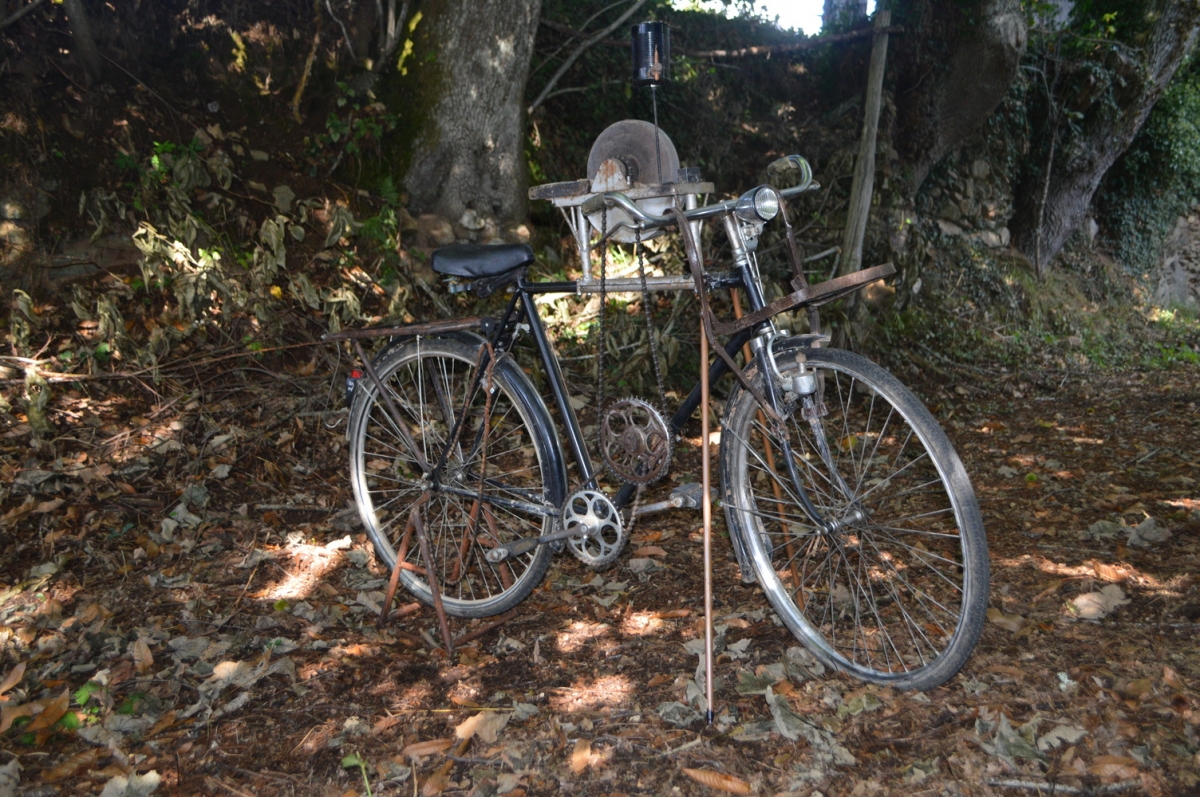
(895, 595)
(429, 380)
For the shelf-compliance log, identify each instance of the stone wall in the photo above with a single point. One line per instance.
(1178, 278)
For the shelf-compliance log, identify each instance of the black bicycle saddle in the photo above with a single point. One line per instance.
(473, 261)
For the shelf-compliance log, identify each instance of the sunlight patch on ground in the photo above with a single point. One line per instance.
(605, 692)
(641, 624)
(1114, 573)
(580, 633)
(310, 564)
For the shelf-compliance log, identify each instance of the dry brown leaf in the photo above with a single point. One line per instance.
(10, 714)
(164, 722)
(13, 515)
(581, 757)
(1114, 767)
(430, 747)
(1170, 678)
(1137, 689)
(438, 782)
(463, 701)
(48, 506)
(718, 780)
(485, 724)
(53, 712)
(73, 764)
(143, 660)
(650, 550)
(17, 673)
(1006, 669)
(1009, 622)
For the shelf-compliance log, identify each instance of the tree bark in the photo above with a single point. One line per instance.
(462, 96)
(85, 43)
(1050, 207)
(953, 67)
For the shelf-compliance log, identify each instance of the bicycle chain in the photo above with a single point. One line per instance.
(603, 342)
(649, 316)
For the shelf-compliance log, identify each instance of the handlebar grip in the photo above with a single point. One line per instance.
(787, 166)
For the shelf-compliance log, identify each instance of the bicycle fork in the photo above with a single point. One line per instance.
(805, 384)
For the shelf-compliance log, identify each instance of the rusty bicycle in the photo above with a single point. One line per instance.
(843, 497)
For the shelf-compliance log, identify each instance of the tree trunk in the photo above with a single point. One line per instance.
(463, 132)
(1049, 207)
(85, 43)
(843, 12)
(954, 65)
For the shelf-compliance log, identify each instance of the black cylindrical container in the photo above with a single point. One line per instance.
(651, 53)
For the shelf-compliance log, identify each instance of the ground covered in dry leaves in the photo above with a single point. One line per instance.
(187, 608)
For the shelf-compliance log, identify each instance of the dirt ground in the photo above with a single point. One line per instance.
(184, 594)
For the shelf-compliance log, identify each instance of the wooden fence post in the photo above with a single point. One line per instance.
(864, 165)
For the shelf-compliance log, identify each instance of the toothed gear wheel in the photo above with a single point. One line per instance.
(600, 534)
(635, 441)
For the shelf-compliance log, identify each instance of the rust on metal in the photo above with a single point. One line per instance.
(821, 293)
(405, 330)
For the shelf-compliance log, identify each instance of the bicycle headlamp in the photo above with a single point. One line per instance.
(758, 204)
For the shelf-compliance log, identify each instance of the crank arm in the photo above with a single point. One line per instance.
(526, 544)
(526, 507)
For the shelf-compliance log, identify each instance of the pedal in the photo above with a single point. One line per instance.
(685, 496)
(689, 495)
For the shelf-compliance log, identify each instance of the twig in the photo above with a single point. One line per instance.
(135, 79)
(308, 64)
(687, 746)
(291, 508)
(573, 57)
(16, 15)
(345, 35)
(807, 44)
(501, 620)
(1041, 786)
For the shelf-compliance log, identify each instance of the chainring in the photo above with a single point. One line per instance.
(600, 535)
(635, 441)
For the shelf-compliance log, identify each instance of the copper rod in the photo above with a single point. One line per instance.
(431, 580)
(400, 563)
(706, 508)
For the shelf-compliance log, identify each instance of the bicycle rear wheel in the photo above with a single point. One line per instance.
(502, 480)
(892, 586)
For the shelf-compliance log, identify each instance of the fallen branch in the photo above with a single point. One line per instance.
(573, 57)
(1045, 787)
(16, 15)
(810, 43)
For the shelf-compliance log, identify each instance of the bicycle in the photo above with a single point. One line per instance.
(843, 497)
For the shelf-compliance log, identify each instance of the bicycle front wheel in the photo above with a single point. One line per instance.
(891, 584)
(501, 477)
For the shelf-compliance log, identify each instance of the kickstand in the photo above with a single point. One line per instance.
(431, 580)
(386, 615)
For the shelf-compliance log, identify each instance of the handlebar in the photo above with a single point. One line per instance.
(618, 199)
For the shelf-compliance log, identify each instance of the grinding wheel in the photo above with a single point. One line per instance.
(632, 143)
(625, 156)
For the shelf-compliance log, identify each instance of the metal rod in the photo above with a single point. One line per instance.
(431, 580)
(706, 508)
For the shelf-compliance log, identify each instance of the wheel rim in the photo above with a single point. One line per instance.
(430, 389)
(883, 595)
